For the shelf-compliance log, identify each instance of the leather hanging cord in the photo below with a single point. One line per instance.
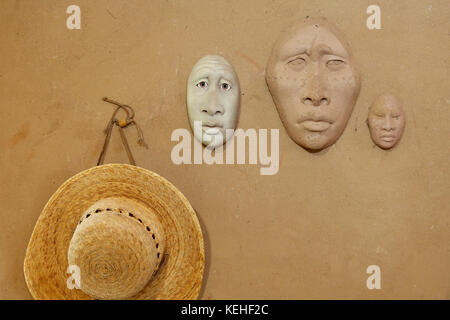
(127, 147)
(121, 124)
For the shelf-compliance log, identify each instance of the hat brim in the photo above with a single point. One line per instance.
(181, 271)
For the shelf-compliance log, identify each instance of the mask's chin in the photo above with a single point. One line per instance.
(213, 141)
(213, 137)
(314, 144)
(310, 140)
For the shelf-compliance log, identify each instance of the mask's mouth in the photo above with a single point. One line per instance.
(211, 129)
(387, 137)
(316, 126)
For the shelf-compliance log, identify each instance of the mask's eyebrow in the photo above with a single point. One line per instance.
(323, 49)
(202, 72)
(305, 48)
(286, 53)
(207, 72)
(227, 76)
(314, 50)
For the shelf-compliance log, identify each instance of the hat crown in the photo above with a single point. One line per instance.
(116, 249)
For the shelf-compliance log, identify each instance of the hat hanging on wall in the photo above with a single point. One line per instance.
(121, 231)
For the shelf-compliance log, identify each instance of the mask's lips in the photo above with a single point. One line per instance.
(315, 121)
(316, 126)
(211, 128)
(387, 137)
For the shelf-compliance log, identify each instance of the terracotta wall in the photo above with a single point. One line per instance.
(311, 230)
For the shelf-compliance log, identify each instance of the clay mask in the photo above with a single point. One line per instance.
(314, 83)
(213, 97)
(386, 121)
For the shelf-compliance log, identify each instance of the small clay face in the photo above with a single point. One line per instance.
(314, 83)
(386, 121)
(213, 97)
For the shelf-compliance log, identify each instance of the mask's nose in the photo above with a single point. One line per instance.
(314, 92)
(387, 124)
(213, 105)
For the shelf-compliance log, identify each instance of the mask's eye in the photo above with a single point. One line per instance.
(335, 64)
(202, 84)
(297, 63)
(225, 86)
(396, 116)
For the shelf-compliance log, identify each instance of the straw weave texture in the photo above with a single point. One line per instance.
(180, 272)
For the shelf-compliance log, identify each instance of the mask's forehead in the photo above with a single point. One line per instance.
(387, 104)
(213, 66)
(309, 39)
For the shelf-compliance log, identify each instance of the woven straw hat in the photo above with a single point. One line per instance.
(128, 232)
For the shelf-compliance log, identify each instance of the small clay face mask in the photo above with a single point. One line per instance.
(213, 97)
(386, 121)
(314, 83)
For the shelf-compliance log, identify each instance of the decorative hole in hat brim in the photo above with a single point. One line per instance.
(128, 215)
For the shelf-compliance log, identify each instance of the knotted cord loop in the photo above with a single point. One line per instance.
(121, 124)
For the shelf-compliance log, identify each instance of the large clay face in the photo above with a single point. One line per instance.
(213, 97)
(314, 83)
(386, 121)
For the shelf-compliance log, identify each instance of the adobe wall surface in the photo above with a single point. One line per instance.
(309, 231)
